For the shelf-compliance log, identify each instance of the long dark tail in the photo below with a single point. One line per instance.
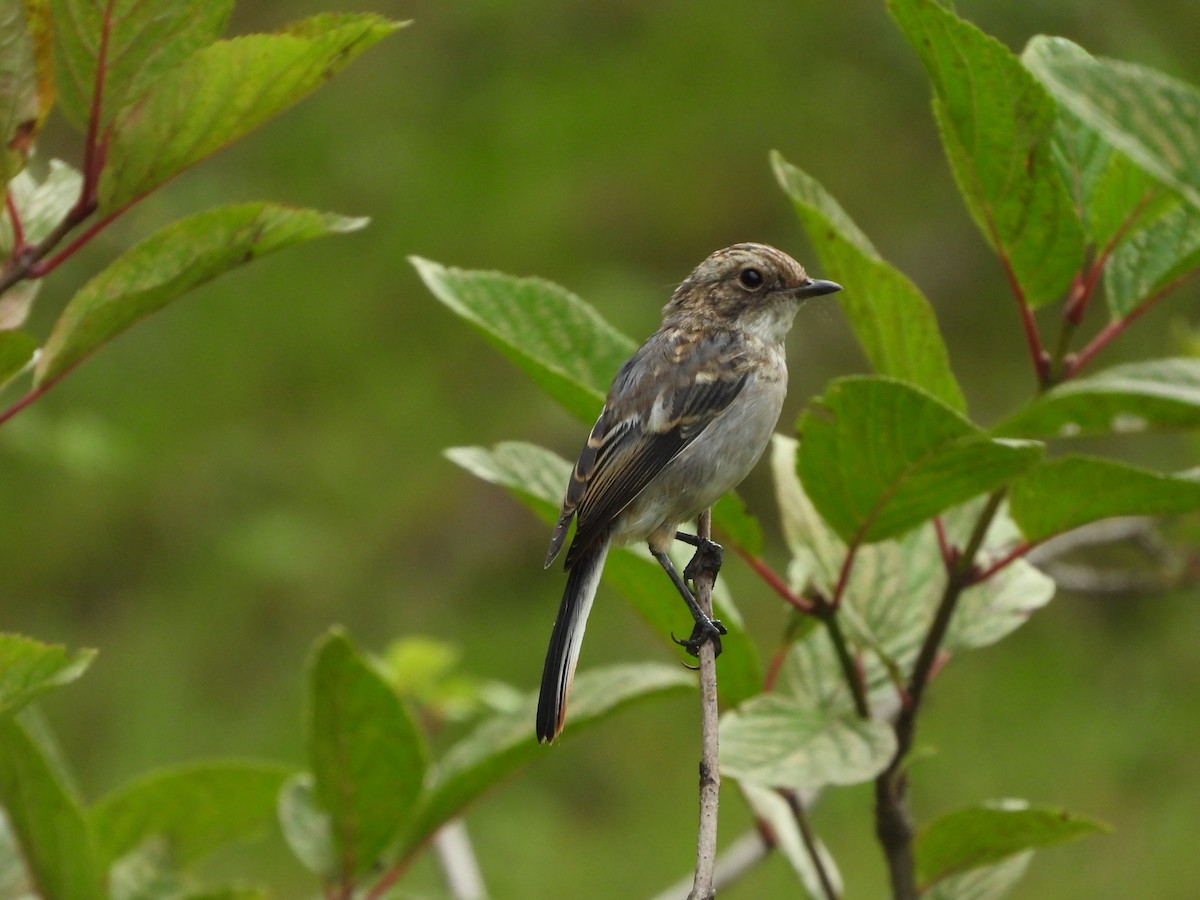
(565, 641)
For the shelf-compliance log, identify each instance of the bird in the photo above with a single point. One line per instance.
(687, 417)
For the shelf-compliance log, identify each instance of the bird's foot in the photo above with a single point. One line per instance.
(706, 630)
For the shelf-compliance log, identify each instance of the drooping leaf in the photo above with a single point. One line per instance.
(41, 204)
(891, 318)
(21, 106)
(130, 42)
(1070, 491)
(556, 338)
(504, 743)
(220, 93)
(997, 126)
(29, 668)
(169, 263)
(368, 758)
(982, 836)
(536, 476)
(1133, 397)
(770, 807)
(1150, 117)
(879, 457)
(47, 818)
(306, 827)
(193, 809)
(776, 741)
(890, 597)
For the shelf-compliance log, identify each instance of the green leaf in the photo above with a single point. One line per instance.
(769, 807)
(1065, 493)
(1153, 261)
(553, 336)
(890, 598)
(984, 835)
(997, 124)
(139, 41)
(891, 318)
(537, 476)
(169, 263)
(193, 809)
(880, 457)
(776, 741)
(29, 668)
(1134, 397)
(42, 205)
(46, 818)
(220, 93)
(1150, 117)
(368, 758)
(735, 524)
(985, 883)
(502, 744)
(21, 107)
(1111, 193)
(306, 827)
(16, 354)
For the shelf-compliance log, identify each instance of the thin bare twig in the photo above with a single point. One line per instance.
(710, 775)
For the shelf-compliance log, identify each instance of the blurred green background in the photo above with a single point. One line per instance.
(208, 494)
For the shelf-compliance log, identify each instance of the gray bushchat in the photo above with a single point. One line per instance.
(687, 417)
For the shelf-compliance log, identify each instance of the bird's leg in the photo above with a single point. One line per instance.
(707, 559)
(706, 628)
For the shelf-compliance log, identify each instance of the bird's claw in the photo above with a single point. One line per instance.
(706, 630)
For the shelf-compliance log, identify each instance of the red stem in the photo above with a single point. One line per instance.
(14, 216)
(943, 545)
(1114, 328)
(839, 589)
(774, 581)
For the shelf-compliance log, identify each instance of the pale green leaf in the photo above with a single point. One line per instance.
(306, 827)
(169, 263)
(891, 318)
(981, 836)
(220, 93)
(892, 592)
(368, 757)
(1149, 395)
(1070, 491)
(1153, 261)
(997, 126)
(777, 741)
(556, 338)
(879, 457)
(504, 743)
(1150, 117)
(986, 883)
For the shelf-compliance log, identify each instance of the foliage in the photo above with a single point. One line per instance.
(906, 522)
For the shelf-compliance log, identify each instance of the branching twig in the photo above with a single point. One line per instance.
(893, 826)
(710, 775)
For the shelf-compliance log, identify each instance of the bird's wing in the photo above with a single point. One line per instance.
(661, 400)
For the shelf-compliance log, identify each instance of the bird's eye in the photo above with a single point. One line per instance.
(751, 279)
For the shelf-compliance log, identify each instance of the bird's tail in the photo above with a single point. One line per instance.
(565, 641)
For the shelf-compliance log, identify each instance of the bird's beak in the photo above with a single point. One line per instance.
(815, 287)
